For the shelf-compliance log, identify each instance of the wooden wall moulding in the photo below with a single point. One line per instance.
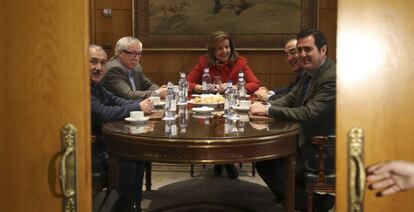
(187, 24)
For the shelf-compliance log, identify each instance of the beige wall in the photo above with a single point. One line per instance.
(269, 66)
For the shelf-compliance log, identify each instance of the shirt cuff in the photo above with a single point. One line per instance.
(267, 109)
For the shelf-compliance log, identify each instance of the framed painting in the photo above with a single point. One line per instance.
(253, 24)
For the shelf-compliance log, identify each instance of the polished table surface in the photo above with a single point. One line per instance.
(193, 138)
(206, 139)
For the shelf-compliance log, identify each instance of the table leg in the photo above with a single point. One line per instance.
(290, 163)
(148, 176)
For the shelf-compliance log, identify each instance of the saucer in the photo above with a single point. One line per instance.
(234, 117)
(182, 103)
(241, 109)
(137, 121)
(203, 109)
(169, 118)
(203, 116)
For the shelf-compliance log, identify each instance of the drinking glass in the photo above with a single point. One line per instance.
(217, 84)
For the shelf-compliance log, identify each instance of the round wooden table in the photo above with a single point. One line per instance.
(207, 139)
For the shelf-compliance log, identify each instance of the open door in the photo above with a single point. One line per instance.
(44, 84)
(375, 94)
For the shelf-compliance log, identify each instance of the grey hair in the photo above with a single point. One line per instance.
(96, 47)
(124, 42)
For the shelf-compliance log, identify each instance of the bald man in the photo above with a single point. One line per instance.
(291, 54)
(106, 107)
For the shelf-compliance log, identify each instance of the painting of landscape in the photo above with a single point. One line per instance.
(253, 24)
(239, 17)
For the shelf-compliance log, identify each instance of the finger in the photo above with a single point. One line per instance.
(378, 177)
(384, 168)
(390, 190)
(380, 168)
(383, 184)
(374, 167)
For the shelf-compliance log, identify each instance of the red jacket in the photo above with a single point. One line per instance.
(227, 71)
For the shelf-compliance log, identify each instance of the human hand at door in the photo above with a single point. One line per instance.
(391, 177)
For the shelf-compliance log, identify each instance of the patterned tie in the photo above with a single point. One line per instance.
(131, 80)
(302, 93)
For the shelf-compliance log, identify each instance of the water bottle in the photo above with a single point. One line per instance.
(205, 82)
(183, 117)
(229, 101)
(241, 90)
(240, 126)
(182, 89)
(170, 102)
(170, 128)
(230, 127)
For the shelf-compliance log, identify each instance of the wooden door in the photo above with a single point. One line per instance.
(44, 85)
(116, 23)
(375, 90)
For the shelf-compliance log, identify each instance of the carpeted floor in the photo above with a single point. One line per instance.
(174, 190)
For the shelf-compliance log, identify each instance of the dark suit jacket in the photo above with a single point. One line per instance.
(281, 91)
(105, 107)
(116, 81)
(316, 114)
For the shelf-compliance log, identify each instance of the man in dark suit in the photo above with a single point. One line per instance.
(291, 54)
(107, 107)
(125, 77)
(312, 104)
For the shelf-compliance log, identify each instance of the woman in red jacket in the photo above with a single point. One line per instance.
(222, 60)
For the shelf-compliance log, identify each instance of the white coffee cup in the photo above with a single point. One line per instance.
(245, 104)
(155, 100)
(136, 115)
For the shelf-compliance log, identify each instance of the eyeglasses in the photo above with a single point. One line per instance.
(132, 54)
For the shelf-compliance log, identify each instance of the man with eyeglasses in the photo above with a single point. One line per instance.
(105, 107)
(291, 54)
(125, 77)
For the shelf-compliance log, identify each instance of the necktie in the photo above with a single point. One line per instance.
(131, 80)
(303, 90)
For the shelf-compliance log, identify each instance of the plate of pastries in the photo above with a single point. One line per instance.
(208, 100)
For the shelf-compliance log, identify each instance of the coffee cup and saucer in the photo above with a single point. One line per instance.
(137, 117)
(244, 106)
(156, 101)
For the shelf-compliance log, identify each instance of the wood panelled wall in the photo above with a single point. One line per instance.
(162, 66)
